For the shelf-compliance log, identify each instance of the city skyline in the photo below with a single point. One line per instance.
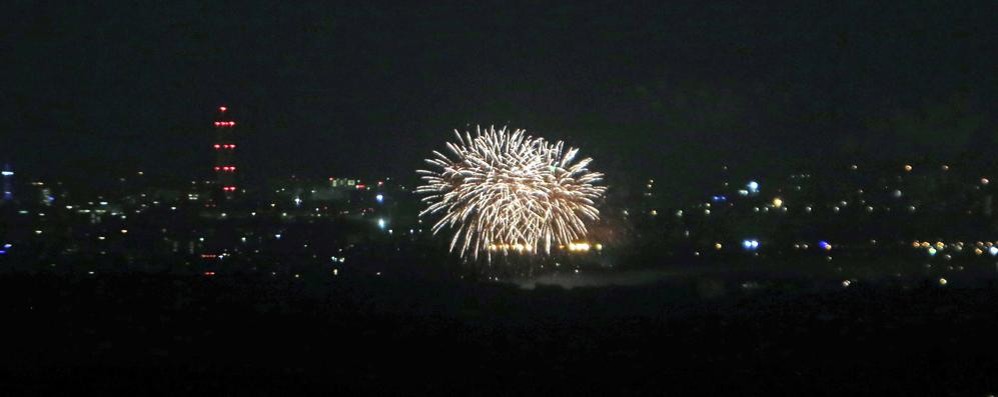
(331, 88)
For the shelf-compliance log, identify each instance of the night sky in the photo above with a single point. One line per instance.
(666, 89)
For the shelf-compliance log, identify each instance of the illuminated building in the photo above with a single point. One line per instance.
(343, 182)
(8, 183)
(225, 148)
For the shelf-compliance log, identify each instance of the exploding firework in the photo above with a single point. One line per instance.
(502, 191)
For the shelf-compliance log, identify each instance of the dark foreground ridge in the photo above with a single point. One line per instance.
(248, 335)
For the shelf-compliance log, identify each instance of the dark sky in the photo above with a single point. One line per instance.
(324, 88)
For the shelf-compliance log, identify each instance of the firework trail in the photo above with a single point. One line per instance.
(507, 191)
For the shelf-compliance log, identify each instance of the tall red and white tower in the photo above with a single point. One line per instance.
(225, 149)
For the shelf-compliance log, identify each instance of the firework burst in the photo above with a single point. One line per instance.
(502, 191)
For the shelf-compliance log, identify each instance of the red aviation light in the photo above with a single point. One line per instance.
(217, 146)
(222, 108)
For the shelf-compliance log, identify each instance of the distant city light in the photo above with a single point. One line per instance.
(382, 223)
(753, 187)
(777, 202)
(750, 244)
(993, 251)
(824, 245)
(380, 198)
(8, 173)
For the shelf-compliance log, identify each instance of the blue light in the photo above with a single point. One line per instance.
(382, 223)
(753, 186)
(380, 198)
(2, 252)
(824, 245)
(7, 246)
(993, 251)
(719, 199)
(750, 244)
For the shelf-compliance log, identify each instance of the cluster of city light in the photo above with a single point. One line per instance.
(225, 124)
(227, 168)
(510, 247)
(225, 146)
(508, 191)
(577, 247)
(582, 246)
(979, 247)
